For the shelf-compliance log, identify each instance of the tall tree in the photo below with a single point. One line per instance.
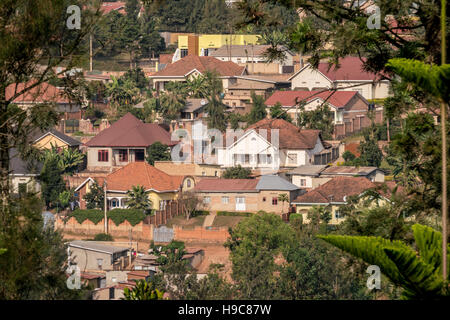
(258, 110)
(215, 108)
(138, 198)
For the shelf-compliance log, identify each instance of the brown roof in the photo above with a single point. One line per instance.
(339, 99)
(142, 174)
(348, 170)
(43, 92)
(335, 190)
(226, 185)
(165, 58)
(184, 66)
(290, 136)
(353, 148)
(129, 131)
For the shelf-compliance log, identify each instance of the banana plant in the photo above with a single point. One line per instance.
(142, 291)
(419, 272)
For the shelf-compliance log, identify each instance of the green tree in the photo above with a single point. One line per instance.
(277, 112)
(215, 108)
(41, 276)
(138, 198)
(52, 183)
(237, 172)
(322, 118)
(258, 110)
(419, 272)
(95, 198)
(143, 290)
(68, 159)
(158, 152)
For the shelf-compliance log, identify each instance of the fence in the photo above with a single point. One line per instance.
(160, 217)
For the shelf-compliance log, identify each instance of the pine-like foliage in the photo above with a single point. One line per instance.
(418, 273)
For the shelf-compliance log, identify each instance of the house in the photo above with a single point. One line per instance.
(44, 93)
(254, 57)
(240, 88)
(249, 195)
(194, 109)
(52, 137)
(95, 256)
(196, 170)
(349, 76)
(312, 176)
(23, 173)
(273, 143)
(118, 6)
(194, 66)
(204, 44)
(161, 186)
(345, 105)
(350, 109)
(332, 194)
(125, 141)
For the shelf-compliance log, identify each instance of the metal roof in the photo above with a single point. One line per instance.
(272, 182)
(96, 246)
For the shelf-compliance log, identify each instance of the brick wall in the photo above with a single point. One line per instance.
(200, 233)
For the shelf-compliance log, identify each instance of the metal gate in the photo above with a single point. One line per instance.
(162, 234)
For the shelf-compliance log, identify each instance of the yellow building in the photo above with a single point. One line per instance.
(48, 139)
(161, 187)
(201, 44)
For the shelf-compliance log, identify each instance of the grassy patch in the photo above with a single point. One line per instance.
(181, 221)
(227, 221)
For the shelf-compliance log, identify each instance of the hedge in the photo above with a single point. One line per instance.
(237, 214)
(200, 213)
(118, 216)
(294, 216)
(103, 237)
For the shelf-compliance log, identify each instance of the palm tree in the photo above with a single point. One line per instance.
(195, 86)
(138, 198)
(283, 198)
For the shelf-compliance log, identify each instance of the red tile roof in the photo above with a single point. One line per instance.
(165, 58)
(107, 7)
(129, 131)
(350, 68)
(142, 174)
(289, 135)
(338, 99)
(335, 190)
(226, 185)
(44, 92)
(353, 148)
(183, 66)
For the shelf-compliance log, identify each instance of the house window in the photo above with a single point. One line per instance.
(274, 201)
(139, 155)
(215, 173)
(302, 182)
(292, 158)
(225, 200)
(183, 53)
(123, 155)
(114, 203)
(111, 293)
(100, 263)
(247, 158)
(102, 155)
(188, 183)
(206, 200)
(264, 199)
(337, 215)
(162, 204)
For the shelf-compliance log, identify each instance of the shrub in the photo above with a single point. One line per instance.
(295, 216)
(103, 237)
(200, 213)
(236, 214)
(93, 215)
(133, 216)
(118, 216)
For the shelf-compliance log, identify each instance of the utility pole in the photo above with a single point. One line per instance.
(90, 52)
(105, 207)
(444, 147)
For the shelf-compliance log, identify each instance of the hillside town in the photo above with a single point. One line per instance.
(223, 150)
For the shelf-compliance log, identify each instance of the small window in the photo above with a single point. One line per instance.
(302, 182)
(225, 200)
(264, 199)
(215, 173)
(111, 293)
(123, 155)
(100, 263)
(188, 183)
(102, 155)
(207, 200)
(337, 215)
(274, 201)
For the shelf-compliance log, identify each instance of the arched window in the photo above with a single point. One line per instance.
(188, 183)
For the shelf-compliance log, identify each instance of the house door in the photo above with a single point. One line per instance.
(240, 203)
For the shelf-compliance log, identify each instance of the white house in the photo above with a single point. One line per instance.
(349, 76)
(274, 143)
